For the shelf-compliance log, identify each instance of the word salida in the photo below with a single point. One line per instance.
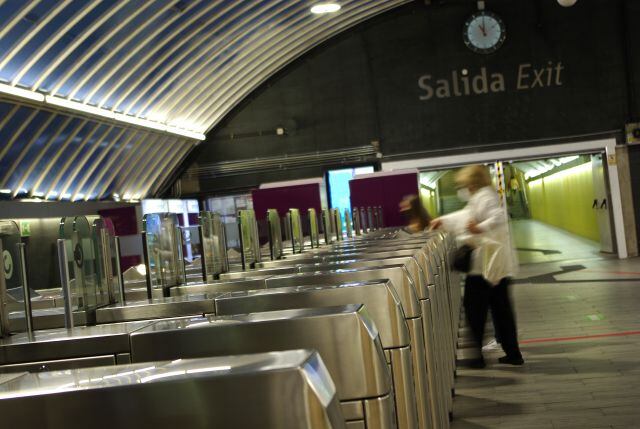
(462, 83)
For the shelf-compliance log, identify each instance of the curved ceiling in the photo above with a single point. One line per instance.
(179, 62)
(83, 82)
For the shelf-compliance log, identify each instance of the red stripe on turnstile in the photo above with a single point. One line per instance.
(582, 337)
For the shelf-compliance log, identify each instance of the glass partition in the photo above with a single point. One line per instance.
(326, 226)
(11, 282)
(313, 228)
(81, 258)
(106, 285)
(347, 221)
(275, 234)
(249, 239)
(356, 221)
(163, 250)
(297, 237)
(337, 223)
(214, 245)
(370, 222)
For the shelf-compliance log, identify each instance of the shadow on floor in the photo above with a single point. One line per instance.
(470, 407)
(466, 381)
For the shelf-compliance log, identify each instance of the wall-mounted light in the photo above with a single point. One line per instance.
(322, 8)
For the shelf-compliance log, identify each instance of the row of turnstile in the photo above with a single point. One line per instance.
(358, 331)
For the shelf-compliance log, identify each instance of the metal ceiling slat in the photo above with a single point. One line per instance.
(272, 44)
(33, 32)
(42, 50)
(142, 78)
(78, 165)
(77, 41)
(67, 163)
(184, 67)
(213, 76)
(18, 133)
(121, 61)
(157, 168)
(9, 115)
(95, 68)
(123, 183)
(155, 184)
(213, 54)
(134, 134)
(25, 150)
(50, 164)
(85, 159)
(100, 42)
(150, 166)
(125, 162)
(40, 155)
(214, 111)
(187, 25)
(18, 17)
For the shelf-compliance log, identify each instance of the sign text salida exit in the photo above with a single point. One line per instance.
(461, 83)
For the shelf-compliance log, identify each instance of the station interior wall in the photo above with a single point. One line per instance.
(564, 200)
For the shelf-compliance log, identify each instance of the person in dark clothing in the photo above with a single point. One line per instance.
(482, 225)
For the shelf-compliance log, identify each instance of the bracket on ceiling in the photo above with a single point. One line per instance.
(480, 4)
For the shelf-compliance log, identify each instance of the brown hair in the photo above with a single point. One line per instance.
(473, 177)
(416, 213)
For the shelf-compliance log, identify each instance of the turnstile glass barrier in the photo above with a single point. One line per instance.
(14, 289)
(162, 248)
(275, 234)
(314, 235)
(268, 390)
(297, 236)
(249, 239)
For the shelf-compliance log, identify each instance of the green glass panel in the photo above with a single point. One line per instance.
(250, 245)
(337, 223)
(313, 228)
(326, 226)
(275, 234)
(68, 234)
(297, 237)
(347, 221)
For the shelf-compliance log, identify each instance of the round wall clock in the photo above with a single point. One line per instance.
(484, 32)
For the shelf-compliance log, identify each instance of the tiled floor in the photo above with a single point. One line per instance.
(571, 383)
(539, 242)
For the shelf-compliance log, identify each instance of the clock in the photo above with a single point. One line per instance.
(484, 32)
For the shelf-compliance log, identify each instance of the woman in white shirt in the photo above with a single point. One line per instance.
(482, 224)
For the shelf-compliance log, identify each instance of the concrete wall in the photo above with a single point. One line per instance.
(365, 86)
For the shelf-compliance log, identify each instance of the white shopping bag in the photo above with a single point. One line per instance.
(495, 260)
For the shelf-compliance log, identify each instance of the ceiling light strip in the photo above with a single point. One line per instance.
(75, 106)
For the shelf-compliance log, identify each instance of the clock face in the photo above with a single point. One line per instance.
(484, 32)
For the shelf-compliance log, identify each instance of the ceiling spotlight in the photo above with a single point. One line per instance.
(567, 3)
(322, 8)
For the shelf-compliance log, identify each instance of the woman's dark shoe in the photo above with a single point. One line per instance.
(511, 360)
(477, 363)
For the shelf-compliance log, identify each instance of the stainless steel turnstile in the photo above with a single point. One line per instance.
(345, 337)
(269, 390)
(385, 309)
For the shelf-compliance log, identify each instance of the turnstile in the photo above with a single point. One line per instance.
(344, 336)
(385, 309)
(269, 390)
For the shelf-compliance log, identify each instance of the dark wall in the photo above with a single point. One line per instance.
(364, 86)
